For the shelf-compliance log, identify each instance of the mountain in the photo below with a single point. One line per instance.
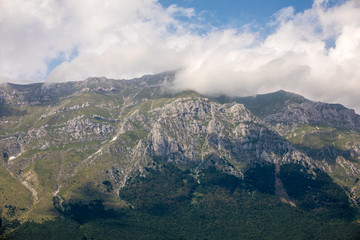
(148, 161)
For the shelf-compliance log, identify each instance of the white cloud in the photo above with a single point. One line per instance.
(35, 32)
(294, 58)
(125, 39)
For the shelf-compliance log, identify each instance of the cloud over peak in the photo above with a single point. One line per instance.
(315, 53)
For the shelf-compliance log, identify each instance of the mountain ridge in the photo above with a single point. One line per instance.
(82, 141)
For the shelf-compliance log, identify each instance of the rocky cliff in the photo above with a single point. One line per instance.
(80, 141)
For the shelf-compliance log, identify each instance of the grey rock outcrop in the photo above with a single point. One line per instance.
(334, 115)
(191, 131)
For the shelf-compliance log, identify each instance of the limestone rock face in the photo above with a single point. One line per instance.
(192, 130)
(334, 115)
(74, 136)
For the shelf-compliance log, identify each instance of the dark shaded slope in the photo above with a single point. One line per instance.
(170, 204)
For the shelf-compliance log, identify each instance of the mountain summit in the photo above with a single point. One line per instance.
(105, 145)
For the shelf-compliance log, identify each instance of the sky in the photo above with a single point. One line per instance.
(233, 47)
(235, 14)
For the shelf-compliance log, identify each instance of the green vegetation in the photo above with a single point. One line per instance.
(14, 197)
(165, 201)
(60, 228)
(263, 105)
(315, 192)
(169, 203)
(320, 137)
(333, 149)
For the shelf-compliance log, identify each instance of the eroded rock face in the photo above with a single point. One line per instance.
(81, 125)
(192, 130)
(101, 129)
(308, 112)
(11, 145)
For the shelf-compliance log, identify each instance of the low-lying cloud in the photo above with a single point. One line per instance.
(315, 53)
(296, 57)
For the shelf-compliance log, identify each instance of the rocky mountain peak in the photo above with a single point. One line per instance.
(69, 139)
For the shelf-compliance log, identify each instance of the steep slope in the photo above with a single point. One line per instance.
(191, 131)
(80, 142)
(329, 133)
(263, 105)
(60, 126)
